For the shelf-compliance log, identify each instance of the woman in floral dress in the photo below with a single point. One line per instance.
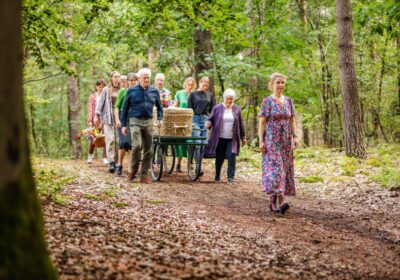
(277, 131)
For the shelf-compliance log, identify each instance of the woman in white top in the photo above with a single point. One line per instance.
(227, 134)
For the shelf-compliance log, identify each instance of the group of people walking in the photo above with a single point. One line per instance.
(125, 106)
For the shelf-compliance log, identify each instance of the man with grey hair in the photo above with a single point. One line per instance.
(165, 94)
(138, 108)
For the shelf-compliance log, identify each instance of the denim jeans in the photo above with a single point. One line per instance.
(199, 122)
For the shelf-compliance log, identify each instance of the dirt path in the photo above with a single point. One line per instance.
(172, 229)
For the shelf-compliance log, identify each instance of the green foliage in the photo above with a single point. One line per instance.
(110, 193)
(249, 155)
(155, 202)
(45, 24)
(349, 166)
(120, 204)
(389, 178)
(304, 154)
(92, 197)
(386, 160)
(373, 161)
(249, 42)
(311, 179)
(51, 182)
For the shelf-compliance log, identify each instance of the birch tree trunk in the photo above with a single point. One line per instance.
(23, 252)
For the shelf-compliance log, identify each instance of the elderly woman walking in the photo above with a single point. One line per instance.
(227, 134)
(276, 131)
(181, 101)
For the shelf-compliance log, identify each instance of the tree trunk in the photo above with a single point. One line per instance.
(303, 13)
(379, 97)
(33, 129)
(324, 93)
(306, 136)
(398, 73)
(22, 244)
(202, 54)
(74, 107)
(353, 135)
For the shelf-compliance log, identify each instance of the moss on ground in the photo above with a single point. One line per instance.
(311, 179)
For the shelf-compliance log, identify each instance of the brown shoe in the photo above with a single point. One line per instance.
(131, 176)
(146, 180)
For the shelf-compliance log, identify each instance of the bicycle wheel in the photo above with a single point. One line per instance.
(194, 163)
(168, 158)
(156, 166)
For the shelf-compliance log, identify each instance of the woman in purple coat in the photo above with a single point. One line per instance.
(228, 131)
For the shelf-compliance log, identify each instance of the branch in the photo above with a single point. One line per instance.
(77, 221)
(44, 78)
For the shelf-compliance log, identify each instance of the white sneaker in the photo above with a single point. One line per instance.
(105, 161)
(90, 158)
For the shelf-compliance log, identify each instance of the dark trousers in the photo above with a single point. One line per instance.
(224, 150)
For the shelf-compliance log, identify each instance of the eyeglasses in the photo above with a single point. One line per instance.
(132, 80)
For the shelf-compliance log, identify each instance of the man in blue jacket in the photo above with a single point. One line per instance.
(138, 111)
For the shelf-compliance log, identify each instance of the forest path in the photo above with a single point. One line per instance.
(175, 229)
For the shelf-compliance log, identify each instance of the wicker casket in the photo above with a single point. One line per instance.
(175, 122)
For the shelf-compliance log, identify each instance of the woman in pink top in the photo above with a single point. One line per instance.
(93, 99)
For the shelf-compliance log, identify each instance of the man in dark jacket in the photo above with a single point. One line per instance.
(138, 109)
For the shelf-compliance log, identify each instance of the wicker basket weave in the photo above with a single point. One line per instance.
(175, 122)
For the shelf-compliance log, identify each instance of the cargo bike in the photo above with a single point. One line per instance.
(176, 129)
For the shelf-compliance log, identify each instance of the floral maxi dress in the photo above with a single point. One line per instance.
(277, 162)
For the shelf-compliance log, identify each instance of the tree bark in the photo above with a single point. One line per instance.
(74, 107)
(303, 13)
(324, 93)
(398, 73)
(353, 134)
(33, 128)
(202, 55)
(379, 97)
(22, 244)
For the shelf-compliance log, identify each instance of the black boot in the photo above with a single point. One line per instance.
(111, 167)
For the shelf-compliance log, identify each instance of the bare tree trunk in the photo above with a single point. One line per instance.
(306, 136)
(202, 55)
(32, 115)
(398, 72)
(22, 244)
(353, 135)
(379, 97)
(303, 12)
(74, 107)
(324, 93)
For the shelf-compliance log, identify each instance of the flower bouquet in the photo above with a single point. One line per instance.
(93, 135)
(166, 99)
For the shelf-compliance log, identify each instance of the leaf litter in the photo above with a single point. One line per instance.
(176, 229)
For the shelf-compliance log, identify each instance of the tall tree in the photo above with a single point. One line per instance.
(202, 54)
(23, 252)
(353, 134)
(398, 72)
(73, 105)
